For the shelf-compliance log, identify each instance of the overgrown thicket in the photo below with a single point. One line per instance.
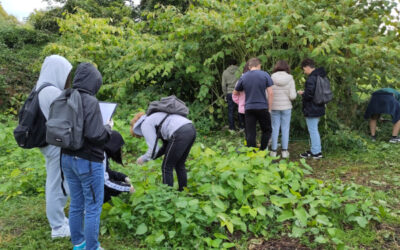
(185, 53)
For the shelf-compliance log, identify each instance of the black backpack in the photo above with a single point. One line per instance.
(323, 93)
(170, 105)
(31, 129)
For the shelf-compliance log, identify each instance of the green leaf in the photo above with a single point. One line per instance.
(350, 209)
(322, 219)
(301, 215)
(228, 245)
(297, 232)
(141, 229)
(285, 215)
(361, 221)
(220, 236)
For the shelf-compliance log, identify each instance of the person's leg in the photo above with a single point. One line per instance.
(250, 128)
(55, 198)
(312, 125)
(167, 170)
(285, 127)
(396, 129)
(372, 124)
(231, 111)
(77, 204)
(91, 175)
(241, 121)
(188, 137)
(276, 123)
(264, 119)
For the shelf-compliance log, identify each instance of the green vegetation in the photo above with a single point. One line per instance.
(235, 198)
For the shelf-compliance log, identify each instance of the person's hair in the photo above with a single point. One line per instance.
(254, 62)
(308, 62)
(68, 81)
(281, 65)
(232, 61)
(135, 118)
(246, 68)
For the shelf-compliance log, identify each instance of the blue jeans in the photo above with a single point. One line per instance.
(312, 125)
(86, 182)
(280, 119)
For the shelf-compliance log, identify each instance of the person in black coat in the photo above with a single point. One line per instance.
(312, 111)
(115, 182)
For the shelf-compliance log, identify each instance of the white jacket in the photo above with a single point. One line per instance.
(284, 90)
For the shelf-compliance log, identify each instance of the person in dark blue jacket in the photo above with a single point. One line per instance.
(384, 101)
(312, 112)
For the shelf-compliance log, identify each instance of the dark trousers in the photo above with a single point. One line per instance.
(176, 152)
(232, 106)
(264, 119)
(241, 121)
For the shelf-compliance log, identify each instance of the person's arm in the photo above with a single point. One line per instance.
(95, 132)
(114, 175)
(235, 96)
(292, 91)
(270, 94)
(150, 135)
(309, 90)
(238, 87)
(223, 84)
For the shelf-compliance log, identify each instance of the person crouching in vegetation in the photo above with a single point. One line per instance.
(281, 110)
(178, 135)
(83, 168)
(384, 101)
(115, 182)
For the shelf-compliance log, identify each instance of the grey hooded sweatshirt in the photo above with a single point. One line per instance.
(87, 81)
(229, 79)
(55, 70)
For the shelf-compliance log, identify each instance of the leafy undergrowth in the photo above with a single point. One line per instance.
(235, 198)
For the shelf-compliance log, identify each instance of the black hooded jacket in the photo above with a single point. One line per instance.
(88, 81)
(310, 109)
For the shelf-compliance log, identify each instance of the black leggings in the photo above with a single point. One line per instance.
(264, 118)
(176, 152)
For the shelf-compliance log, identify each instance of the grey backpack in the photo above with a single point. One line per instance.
(65, 123)
(170, 105)
(323, 93)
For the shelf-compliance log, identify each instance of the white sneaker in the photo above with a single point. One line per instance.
(272, 154)
(61, 232)
(285, 154)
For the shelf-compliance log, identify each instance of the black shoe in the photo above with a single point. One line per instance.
(395, 139)
(317, 156)
(373, 138)
(306, 154)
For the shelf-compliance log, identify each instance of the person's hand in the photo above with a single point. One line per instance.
(110, 123)
(127, 180)
(139, 161)
(132, 189)
(300, 92)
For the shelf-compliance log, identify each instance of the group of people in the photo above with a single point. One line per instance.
(268, 100)
(89, 179)
(90, 182)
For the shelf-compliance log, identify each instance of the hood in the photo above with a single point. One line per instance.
(281, 78)
(55, 70)
(318, 72)
(87, 78)
(137, 129)
(113, 147)
(232, 69)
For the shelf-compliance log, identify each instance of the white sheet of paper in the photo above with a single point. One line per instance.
(107, 110)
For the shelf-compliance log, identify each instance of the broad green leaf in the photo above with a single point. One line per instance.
(141, 229)
(285, 215)
(350, 209)
(301, 215)
(322, 219)
(361, 221)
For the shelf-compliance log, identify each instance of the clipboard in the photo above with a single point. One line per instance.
(107, 110)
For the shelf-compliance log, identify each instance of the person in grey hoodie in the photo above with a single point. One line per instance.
(284, 92)
(229, 80)
(178, 135)
(55, 70)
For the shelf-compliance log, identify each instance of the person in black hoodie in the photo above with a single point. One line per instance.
(115, 182)
(83, 168)
(312, 111)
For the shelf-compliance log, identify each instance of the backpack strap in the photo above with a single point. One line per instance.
(44, 85)
(158, 132)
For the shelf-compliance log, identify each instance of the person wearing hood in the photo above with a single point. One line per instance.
(83, 168)
(284, 92)
(312, 112)
(178, 135)
(115, 182)
(56, 71)
(229, 80)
